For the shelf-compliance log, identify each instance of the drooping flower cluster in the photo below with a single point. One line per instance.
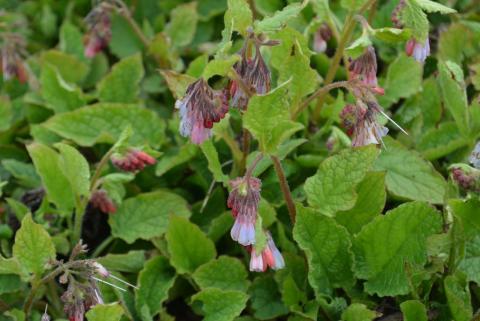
(254, 74)
(320, 38)
(132, 160)
(12, 65)
(464, 178)
(201, 107)
(243, 200)
(102, 201)
(365, 67)
(99, 31)
(367, 130)
(269, 257)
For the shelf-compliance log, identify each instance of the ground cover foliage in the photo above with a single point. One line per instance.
(240, 160)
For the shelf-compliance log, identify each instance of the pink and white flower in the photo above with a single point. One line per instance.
(270, 257)
(99, 31)
(200, 108)
(243, 200)
(418, 50)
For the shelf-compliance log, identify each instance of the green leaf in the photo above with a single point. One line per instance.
(370, 202)
(431, 6)
(441, 141)
(414, 310)
(10, 283)
(71, 40)
(408, 175)
(467, 212)
(383, 247)
(391, 35)
(71, 69)
(470, 264)
(154, 281)
(224, 273)
(220, 66)
(330, 266)
(268, 119)
(49, 166)
(296, 65)
(332, 188)
(103, 123)
(188, 246)
(121, 85)
(105, 312)
(219, 305)
(266, 299)
(174, 157)
(413, 17)
(238, 17)
(183, 24)
(280, 18)
(57, 93)
(289, 38)
(75, 168)
(6, 114)
(404, 78)
(358, 47)
(33, 246)
(147, 215)
(125, 42)
(16, 315)
(214, 165)
(358, 312)
(177, 83)
(131, 262)
(23, 172)
(352, 5)
(458, 297)
(454, 95)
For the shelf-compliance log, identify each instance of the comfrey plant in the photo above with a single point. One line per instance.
(239, 160)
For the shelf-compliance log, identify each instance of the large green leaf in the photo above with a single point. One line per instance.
(75, 168)
(183, 24)
(389, 242)
(57, 93)
(220, 305)
(458, 297)
(104, 123)
(105, 312)
(454, 95)
(268, 119)
(214, 165)
(280, 18)
(33, 246)
(121, 85)
(408, 175)
(147, 215)
(358, 312)
(238, 16)
(413, 310)
(188, 246)
(71, 69)
(224, 273)
(266, 300)
(404, 78)
(154, 281)
(328, 249)
(441, 141)
(332, 188)
(49, 166)
(370, 202)
(132, 261)
(414, 18)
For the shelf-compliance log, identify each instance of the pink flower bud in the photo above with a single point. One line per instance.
(100, 269)
(134, 160)
(101, 201)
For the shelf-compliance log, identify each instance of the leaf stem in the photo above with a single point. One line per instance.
(125, 13)
(253, 165)
(106, 242)
(245, 148)
(285, 188)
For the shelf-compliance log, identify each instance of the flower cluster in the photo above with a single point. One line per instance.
(102, 201)
(99, 29)
(365, 67)
(243, 200)
(200, 108)
(132, 160)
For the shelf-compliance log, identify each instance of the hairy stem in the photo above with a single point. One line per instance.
(245, 148)
(320, 91)
(125, 13)
(253, 165)
(285, 188)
